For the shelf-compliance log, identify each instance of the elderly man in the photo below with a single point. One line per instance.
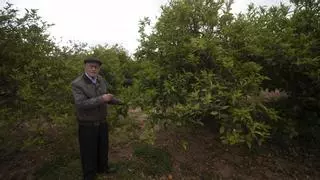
(91, 98)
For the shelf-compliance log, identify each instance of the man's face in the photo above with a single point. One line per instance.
(92, 69)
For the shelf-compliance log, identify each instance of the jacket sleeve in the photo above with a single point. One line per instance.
(81, 100)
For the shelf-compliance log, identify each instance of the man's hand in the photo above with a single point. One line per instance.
(107, 97)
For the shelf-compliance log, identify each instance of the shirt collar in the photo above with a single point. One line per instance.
(93, 80)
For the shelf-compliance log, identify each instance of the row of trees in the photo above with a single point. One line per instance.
(255, 74)
(36, 76)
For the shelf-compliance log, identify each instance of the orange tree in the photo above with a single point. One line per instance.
(203, 62)
(190, 74)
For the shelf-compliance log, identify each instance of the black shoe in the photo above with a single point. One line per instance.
(112, 170)
(108, 171)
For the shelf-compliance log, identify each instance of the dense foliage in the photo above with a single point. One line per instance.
(204, 63)
(255, 74)
(36, 75)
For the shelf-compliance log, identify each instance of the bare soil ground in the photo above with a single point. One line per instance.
(206, 158)
(195, 153)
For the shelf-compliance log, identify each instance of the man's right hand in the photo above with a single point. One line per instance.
(107, 97)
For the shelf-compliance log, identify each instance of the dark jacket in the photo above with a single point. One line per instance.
(89, 104)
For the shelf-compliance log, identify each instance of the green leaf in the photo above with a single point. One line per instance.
(184, 144)
(221, 130)
(249, 144)
(224, 107)
(214, 113)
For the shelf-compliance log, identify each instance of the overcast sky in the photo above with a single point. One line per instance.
(103, 21)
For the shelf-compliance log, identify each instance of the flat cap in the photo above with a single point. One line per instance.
(93, 60)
